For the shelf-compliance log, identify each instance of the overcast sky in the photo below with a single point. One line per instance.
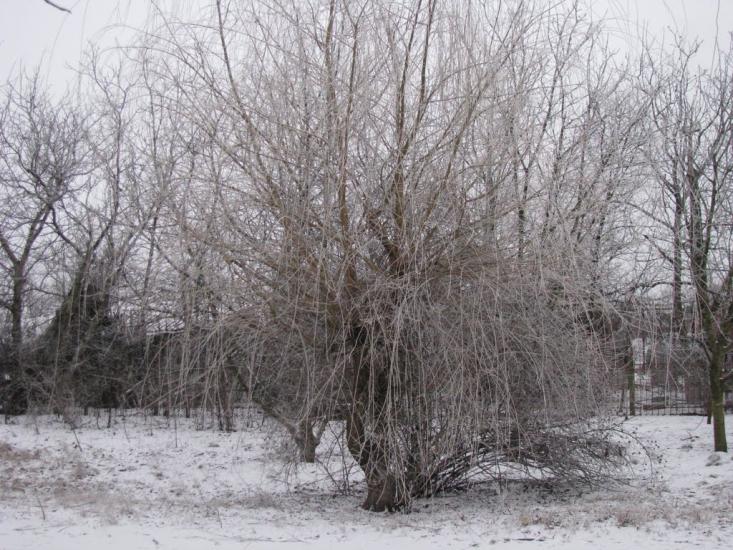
(33, 33)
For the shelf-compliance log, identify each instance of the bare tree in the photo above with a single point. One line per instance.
(42, 157)
(364, 214)
(692, 152)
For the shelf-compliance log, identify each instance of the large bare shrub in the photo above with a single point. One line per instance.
(382, 173)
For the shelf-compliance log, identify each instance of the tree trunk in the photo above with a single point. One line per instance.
(714, 338)
(307, 442)
(16, 396)
(16, 318)
(677, 312)
(16, 330)
(717, 398)
(383, 494)
(631, 381)
(383, 491)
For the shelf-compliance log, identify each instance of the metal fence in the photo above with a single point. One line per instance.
(667, 380)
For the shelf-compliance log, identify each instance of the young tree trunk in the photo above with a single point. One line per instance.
(677, 312)
(631, 381)
(706, 305)
(717, 399)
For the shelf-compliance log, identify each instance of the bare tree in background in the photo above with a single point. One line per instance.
(692, 150)
(42, 155)
(75, 356)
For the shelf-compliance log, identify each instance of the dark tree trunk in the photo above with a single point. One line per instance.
(383, 494)
(307, 441)
(16, 315)
(714, 333)
(15, 395)
(631, 381)
(717, 399)
(383, 490)
(677, 312)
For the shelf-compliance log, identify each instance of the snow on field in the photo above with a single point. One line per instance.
(155, 483)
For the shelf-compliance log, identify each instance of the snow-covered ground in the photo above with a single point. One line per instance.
(156, 483)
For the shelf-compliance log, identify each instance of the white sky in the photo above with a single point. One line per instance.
(33, 33)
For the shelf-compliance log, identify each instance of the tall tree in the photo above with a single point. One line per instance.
(42, 158)
(692, 148)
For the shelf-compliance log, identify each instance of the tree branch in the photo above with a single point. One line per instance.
(55, 5)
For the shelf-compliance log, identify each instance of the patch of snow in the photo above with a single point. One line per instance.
(154, 483)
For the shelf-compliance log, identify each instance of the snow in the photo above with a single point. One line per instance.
(156, 483)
